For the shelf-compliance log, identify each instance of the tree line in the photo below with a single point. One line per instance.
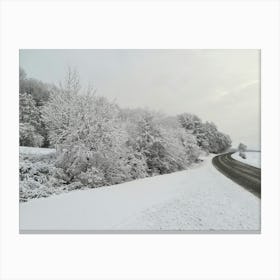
(99, 143)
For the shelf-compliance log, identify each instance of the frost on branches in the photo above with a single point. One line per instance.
(98, 144)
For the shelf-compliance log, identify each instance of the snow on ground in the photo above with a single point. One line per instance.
(35, 151)
(200, 198)
(252, 158)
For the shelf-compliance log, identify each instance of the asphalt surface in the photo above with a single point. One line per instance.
(243, 174)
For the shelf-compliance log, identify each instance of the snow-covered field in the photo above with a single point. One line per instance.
(252, 158)
(200, 198)
(35, 151)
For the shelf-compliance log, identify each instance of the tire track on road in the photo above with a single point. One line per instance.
(245, 175)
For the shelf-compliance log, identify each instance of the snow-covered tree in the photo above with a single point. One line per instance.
(181, 145)
(165, 145)
(37, 89)
(28, 136)
(28, 112)
(61, 112)
(88, 133)
(242, 149)
(189, 121)
(35, 92)
(207, 135)
(148, 141)
(30, 122)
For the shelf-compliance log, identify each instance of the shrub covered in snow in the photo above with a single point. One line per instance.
(38, 177)
(35, 177)
(75, 164)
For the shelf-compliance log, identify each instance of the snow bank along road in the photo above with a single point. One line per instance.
(200, 198)
(252, 158)
(245, 175)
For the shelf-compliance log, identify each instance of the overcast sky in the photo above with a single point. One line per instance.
(222, 86)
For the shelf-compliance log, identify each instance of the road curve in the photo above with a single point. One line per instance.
(243, 174)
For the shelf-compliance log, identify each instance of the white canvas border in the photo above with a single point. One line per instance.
(157, 24)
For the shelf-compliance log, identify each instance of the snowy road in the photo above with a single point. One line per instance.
(245, 175)
(200, 198)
